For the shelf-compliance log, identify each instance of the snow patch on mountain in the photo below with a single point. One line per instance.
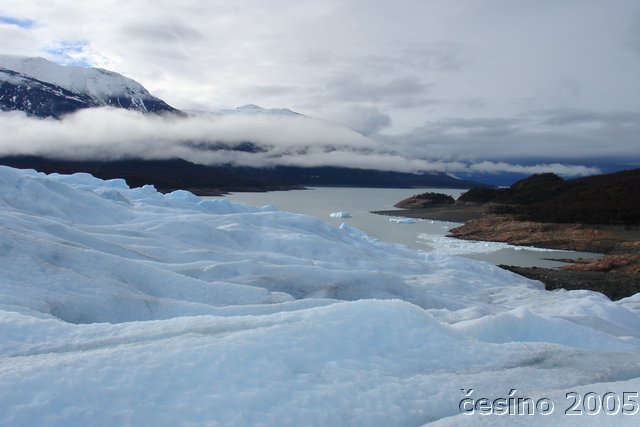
(247, 110)
(70, 86)
(95, 82)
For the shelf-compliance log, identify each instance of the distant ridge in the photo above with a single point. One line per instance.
(174, 174)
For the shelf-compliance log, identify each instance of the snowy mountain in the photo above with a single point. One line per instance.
(44, 89)
(248, 109)
(256, 109)
(124, 306)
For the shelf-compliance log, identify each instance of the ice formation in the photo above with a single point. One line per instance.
(401, 220)
(341, 214)
(124, 306)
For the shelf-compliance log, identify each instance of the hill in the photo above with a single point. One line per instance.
(601, 199)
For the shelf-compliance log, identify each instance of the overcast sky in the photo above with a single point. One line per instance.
(509, 82)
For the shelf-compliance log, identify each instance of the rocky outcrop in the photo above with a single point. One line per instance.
(575, 237)
(425, 200)
(624, 263)
(614, 285)
(598, 214)
(616, 275)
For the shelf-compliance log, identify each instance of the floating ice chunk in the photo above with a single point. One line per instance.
(401, 220)
(453, 246)
(341, 214)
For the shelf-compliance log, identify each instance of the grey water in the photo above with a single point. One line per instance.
(424, 235)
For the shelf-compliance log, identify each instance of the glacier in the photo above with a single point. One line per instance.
(125, 306)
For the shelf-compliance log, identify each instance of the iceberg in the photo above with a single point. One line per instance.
(125, 306)
(401, 220)
(341, 214)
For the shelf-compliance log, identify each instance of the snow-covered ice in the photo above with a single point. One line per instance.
(124, 306)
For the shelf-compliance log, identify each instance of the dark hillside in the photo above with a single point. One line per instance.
(601, 199)
(174, 174)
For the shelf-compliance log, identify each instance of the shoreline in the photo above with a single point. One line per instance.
(613, 285)
(616, 274)
(445, 213)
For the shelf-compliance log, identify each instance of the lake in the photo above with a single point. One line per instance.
(424, 235)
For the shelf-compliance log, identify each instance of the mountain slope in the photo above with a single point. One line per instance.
(44, 89)
(601, 199)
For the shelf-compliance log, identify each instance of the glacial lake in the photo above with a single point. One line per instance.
(424, 235)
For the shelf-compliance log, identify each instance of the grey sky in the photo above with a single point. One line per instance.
(514, 81)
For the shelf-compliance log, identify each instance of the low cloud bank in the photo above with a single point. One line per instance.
(251, 140)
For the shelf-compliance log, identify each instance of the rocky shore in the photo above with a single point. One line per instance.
(615, 285)
(605, 239)
(616, 274)
(448, 213)
(524, 215)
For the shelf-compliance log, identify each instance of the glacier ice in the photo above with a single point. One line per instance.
(124, 306)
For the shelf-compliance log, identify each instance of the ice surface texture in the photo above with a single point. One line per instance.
(124, 306)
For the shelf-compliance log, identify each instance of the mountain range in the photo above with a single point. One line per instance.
(43, 89)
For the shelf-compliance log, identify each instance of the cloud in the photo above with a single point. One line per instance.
(72, 52)
(448, 85)
(161, 32)
(566, 135)
(18, 40)
(401, 92)
(633, 37)
(18, 22)
(413, 60)
(574, 116)
(364, 119)
(557, 168)
(107, 133)
(110, 134)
